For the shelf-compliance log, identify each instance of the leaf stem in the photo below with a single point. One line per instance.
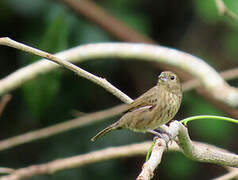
(186, 120)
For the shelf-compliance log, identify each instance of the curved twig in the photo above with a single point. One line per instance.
(195, 151)
(201, 153)
(224, 11)
(209, 78)
(5, 99)
(87, 119)
(227, 75)
(230, 175)
(98, 15)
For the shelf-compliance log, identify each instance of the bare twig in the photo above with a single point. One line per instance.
(106, 21)
(6, 170)
(224, 11)
(77, 161)
(59, 128)
(209, 78)
(230, 175)
(5, 99)
(100, 81)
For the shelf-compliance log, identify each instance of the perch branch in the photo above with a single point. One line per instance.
(154, 160)
(201, 153)
(194, 151)
(209, 78)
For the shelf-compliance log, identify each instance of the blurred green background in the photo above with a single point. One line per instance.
(192, 26)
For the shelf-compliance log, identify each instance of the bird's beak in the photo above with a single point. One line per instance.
(163, 78)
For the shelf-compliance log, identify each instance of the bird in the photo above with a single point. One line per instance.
(152, 109)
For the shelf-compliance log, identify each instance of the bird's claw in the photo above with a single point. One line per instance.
(167, 137)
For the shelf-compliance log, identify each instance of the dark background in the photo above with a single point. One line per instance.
(191, 26)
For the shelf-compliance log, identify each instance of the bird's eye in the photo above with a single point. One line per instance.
(172, 77)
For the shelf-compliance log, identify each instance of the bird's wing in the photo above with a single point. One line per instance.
(146, 99)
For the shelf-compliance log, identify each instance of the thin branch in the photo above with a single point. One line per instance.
(199, 152)
(224, 11)
(78, 161)
(106, 21)
(5, 99)
(99, 81)
(6, 170)
(60, 128)
(210, 79)
(230, 175)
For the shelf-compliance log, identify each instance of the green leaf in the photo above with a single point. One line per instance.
(127, 12)
(232, 5)
(40, 93)
(207, 10)
(179, 166)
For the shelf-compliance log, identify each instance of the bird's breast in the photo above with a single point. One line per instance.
(166, 109)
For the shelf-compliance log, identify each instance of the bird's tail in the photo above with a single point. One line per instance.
(106, 130)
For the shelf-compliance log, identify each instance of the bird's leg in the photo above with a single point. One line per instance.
(163, 136)
(162, 130)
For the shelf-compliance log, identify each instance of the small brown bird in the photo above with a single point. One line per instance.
(152, 109)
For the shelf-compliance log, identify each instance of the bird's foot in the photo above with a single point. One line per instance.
(165, 133)
(167, 137)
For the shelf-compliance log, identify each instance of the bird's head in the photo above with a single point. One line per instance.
(170, 81)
